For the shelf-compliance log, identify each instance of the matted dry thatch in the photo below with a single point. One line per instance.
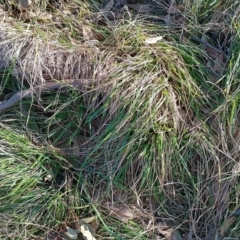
(40, 61)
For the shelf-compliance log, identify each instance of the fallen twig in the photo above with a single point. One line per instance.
(37, 89)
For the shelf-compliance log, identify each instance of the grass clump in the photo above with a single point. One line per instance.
(148, 137)
(34, 199)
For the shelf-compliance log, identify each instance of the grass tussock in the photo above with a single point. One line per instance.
(147, 140)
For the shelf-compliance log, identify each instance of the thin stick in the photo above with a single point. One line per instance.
(38, 89)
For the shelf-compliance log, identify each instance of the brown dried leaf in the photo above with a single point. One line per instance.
(121, 213)
(141, 8)
(217, 55)
(166, 232)
(87, 231)
(226, 225)
(163, 229)
(95, 224)
(88, 34)
(159, 225)
(175, 235)
(126, 212)
(88, 219)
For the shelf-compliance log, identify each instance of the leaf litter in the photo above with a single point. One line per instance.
(86, 226)
(120, 212)
(226, 225)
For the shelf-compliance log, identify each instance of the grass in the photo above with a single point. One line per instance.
(151, 128)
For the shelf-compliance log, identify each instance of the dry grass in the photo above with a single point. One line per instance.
(151, 128)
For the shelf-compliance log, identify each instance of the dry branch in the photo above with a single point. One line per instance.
(37, 89)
